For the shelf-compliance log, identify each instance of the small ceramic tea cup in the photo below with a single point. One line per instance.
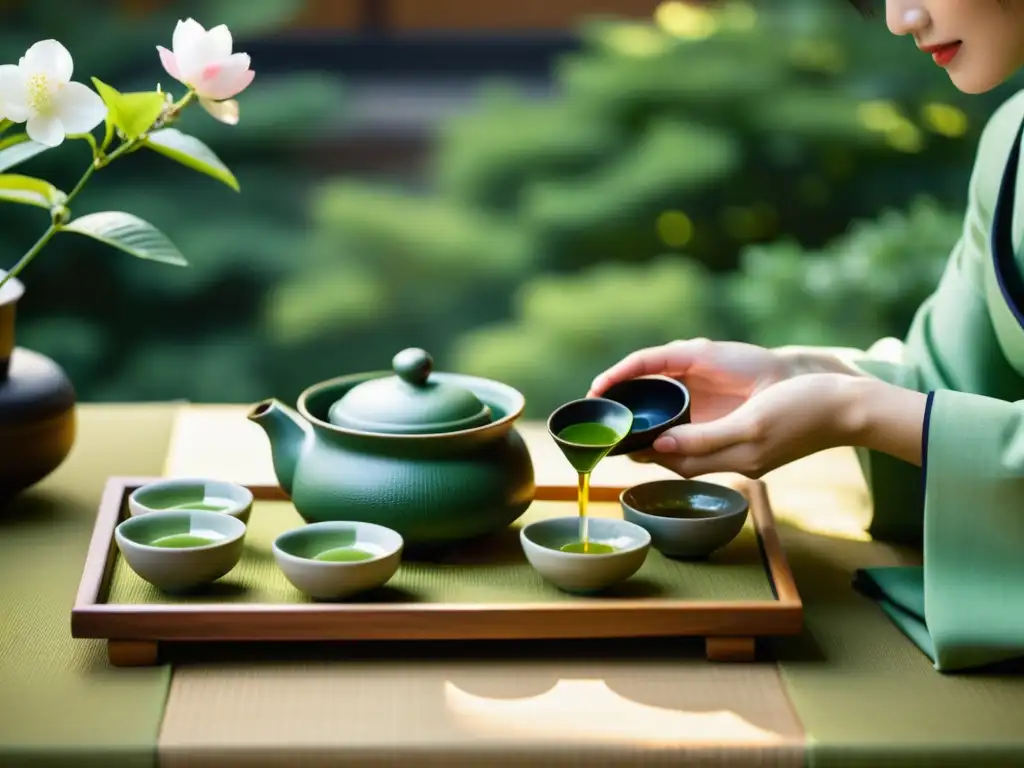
(543, 540)
(192, 493)
(179, 550)
(686, 518)
(658, 404)
(335, 560)
(603, 423)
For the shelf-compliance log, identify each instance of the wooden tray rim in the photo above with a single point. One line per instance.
(593, 618)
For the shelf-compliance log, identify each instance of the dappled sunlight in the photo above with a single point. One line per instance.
(686, 21)
(824, 494)
(945, 119)
(589, 709)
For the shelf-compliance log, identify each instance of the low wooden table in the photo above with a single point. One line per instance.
(850, 691)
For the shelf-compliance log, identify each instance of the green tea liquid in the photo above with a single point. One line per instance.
(344, 555)
(209, 504)
(181, 541)
(587, 548)
(594, 440)
(583, 494)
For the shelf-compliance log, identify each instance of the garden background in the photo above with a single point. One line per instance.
(528, 192)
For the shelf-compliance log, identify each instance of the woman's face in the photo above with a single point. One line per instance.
(980, 43)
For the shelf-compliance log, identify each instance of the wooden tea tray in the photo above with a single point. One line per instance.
(744, 592)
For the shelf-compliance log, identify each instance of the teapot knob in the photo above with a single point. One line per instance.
(413, 365)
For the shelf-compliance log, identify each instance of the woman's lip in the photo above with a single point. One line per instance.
(939, 47)
(943, 54)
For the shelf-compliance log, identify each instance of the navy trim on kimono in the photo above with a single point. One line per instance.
(925, 429)
(1004, 255)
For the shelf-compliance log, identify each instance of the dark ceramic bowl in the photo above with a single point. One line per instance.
(657, 404)
(688, 519)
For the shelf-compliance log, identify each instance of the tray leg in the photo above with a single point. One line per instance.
(132, 653)
(729, 648)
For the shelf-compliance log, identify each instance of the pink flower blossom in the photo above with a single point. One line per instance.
(202, 60)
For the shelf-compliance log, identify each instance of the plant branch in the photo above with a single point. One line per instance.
(52, 230)
(99, 161)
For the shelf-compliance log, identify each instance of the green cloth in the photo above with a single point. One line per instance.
(59, 697)
(495, 572)
(967, 347)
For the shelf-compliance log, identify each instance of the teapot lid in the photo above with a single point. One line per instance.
(410, 402)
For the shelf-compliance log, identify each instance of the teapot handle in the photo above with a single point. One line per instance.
(413, 365)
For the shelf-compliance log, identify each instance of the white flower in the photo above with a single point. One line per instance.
(203, 61)
(39, 92)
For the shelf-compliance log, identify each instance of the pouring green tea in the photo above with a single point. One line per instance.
(586, 431)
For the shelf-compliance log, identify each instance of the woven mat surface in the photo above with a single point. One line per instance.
(866, 695)
(59, 696)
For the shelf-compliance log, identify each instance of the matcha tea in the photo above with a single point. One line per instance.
(587, 548)
(591, 434)
(209, 504)
(587, 443)
(344, 555)
(584, 445)
(182, 541)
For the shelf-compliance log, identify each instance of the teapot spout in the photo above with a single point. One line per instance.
(287, 432)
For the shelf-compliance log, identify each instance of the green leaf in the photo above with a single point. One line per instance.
(18, 151)
(10, 141)
(191, 152)
(4, 125)
(132, 113)
(130, 234)
(30, 191)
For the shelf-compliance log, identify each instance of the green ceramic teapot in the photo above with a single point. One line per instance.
(431, 455)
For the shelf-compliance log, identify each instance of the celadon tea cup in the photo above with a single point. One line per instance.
(585, 573)
(200, 494)
(335, 560)
(180, 550)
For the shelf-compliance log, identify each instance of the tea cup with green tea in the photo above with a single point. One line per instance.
(180, 550)
(192, 493)
(616, 550)
(335, 560)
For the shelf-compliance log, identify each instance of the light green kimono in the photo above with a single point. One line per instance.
(965, 606)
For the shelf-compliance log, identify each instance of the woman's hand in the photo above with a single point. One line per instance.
(754, 409)
(795, 418)
(721, 375)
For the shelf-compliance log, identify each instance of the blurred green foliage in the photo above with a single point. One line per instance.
(553, 354)
(862, 286)
(692, 176)
(127, 330)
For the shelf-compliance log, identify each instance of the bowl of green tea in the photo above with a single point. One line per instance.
(181, 550)
(612, 553)
(586, 430)
(687, 519)
(335, 560)
(201, 494)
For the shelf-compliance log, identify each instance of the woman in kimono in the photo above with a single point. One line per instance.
(939, 425)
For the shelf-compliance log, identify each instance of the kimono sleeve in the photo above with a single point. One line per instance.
(965, 606)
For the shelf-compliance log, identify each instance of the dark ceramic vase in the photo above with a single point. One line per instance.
(37, 407)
